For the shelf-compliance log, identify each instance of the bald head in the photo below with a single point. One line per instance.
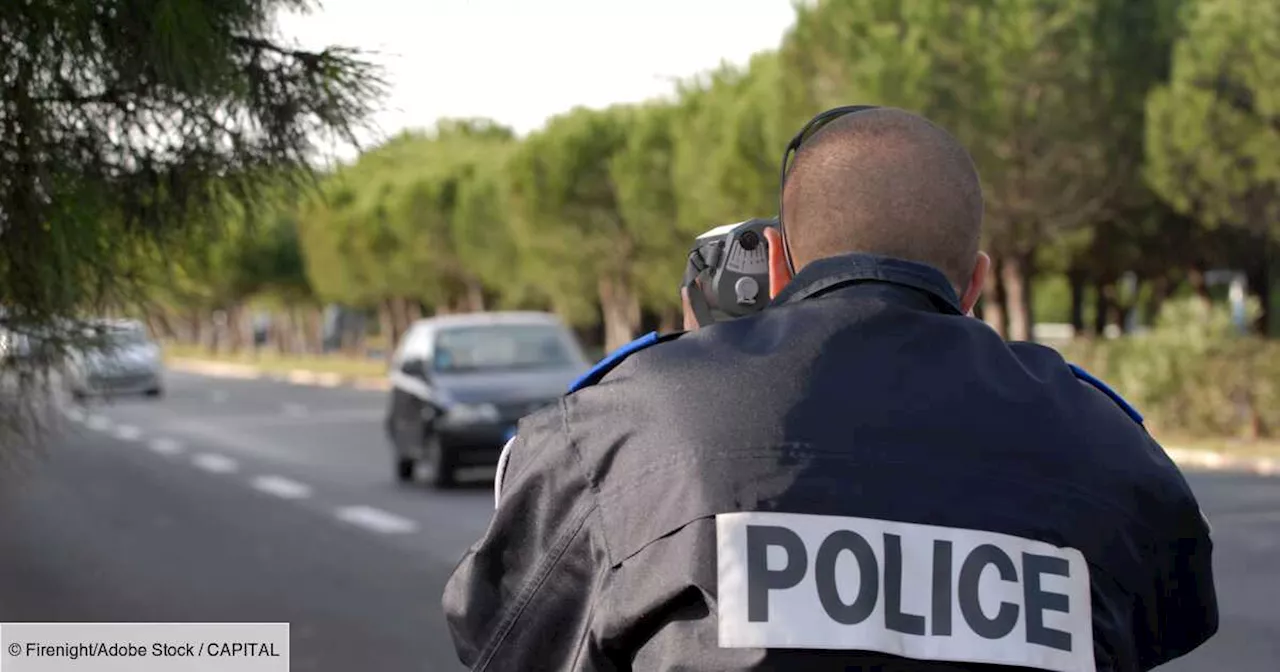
(886, 182)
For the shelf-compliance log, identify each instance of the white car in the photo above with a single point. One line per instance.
(123, 361)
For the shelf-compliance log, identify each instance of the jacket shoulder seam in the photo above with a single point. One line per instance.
(531, 587)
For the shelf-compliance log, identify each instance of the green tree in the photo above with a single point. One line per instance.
(1026, 86)
(726, 147)
(247, 259)
(1133, 46)
(643, 170)
(485, 236)
(472, 245)
(1213, 137)
(1032, 89)
(416, 222)
(125, 124)
(490, 267)
(850, 52)
(743, 166)
(566, 207)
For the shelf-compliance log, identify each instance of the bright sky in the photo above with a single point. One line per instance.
(521, 61)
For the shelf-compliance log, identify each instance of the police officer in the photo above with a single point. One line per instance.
(859, 477)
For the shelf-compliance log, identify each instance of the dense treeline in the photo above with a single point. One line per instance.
(1126, 148)
(130, 130)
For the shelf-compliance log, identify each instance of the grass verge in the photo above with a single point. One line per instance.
(275, 362)
(1269, 448)
(375, 368)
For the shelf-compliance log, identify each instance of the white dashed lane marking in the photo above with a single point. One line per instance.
(128, 433)
(214, 463)
(165, 446)
(366, 517)
(281, 487)
(376, 520)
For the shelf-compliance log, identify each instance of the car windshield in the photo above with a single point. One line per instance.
(120, 339)
(500, 347)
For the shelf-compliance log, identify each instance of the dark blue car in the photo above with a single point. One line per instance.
(460, 383)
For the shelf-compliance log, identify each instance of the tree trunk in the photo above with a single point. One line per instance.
(994, 311)
(311, 331)
(195, 325)
(387, 323)
(1076, 279)
(161, 327)
(412, 310)
(1199, 284)
(1155, 300)
(236, 325)
(621, 311)
(1015, 278)
(1260, 282)
(293, 334)
(399, 320)
(351, 340)
(1102, 309)
(407, 311)
(475, 297)
(277, 336)
(216, 330)
(1118, 315)
(289, 339)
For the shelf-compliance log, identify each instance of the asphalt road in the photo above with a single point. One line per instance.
(236, 500)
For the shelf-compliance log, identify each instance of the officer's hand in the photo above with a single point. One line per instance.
(690, 320)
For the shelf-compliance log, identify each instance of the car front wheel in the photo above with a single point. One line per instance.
(406, 469)
(441, 460)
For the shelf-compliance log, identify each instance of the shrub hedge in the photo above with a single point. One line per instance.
(1193, 374)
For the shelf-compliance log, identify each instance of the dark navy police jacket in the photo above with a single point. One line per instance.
(857, 478)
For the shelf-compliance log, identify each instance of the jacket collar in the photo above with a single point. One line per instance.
(833, 272)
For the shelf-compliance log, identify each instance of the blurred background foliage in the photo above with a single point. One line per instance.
(1194, 374)
(1130, 153)
(141, 141)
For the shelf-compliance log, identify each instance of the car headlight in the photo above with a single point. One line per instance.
(471, 413)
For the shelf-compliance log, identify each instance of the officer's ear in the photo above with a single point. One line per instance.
(690, 319)
(779, 270)
(977, 281)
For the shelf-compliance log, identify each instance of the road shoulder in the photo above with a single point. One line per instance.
(1185, 456)
(295, 376)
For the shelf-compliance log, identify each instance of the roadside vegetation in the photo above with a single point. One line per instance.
(1130, 153)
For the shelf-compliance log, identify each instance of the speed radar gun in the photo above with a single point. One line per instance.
(728, 271)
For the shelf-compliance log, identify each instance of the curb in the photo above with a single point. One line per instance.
(1208, 460)
(294, 377)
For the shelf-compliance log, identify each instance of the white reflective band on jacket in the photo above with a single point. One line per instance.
(502, 469)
